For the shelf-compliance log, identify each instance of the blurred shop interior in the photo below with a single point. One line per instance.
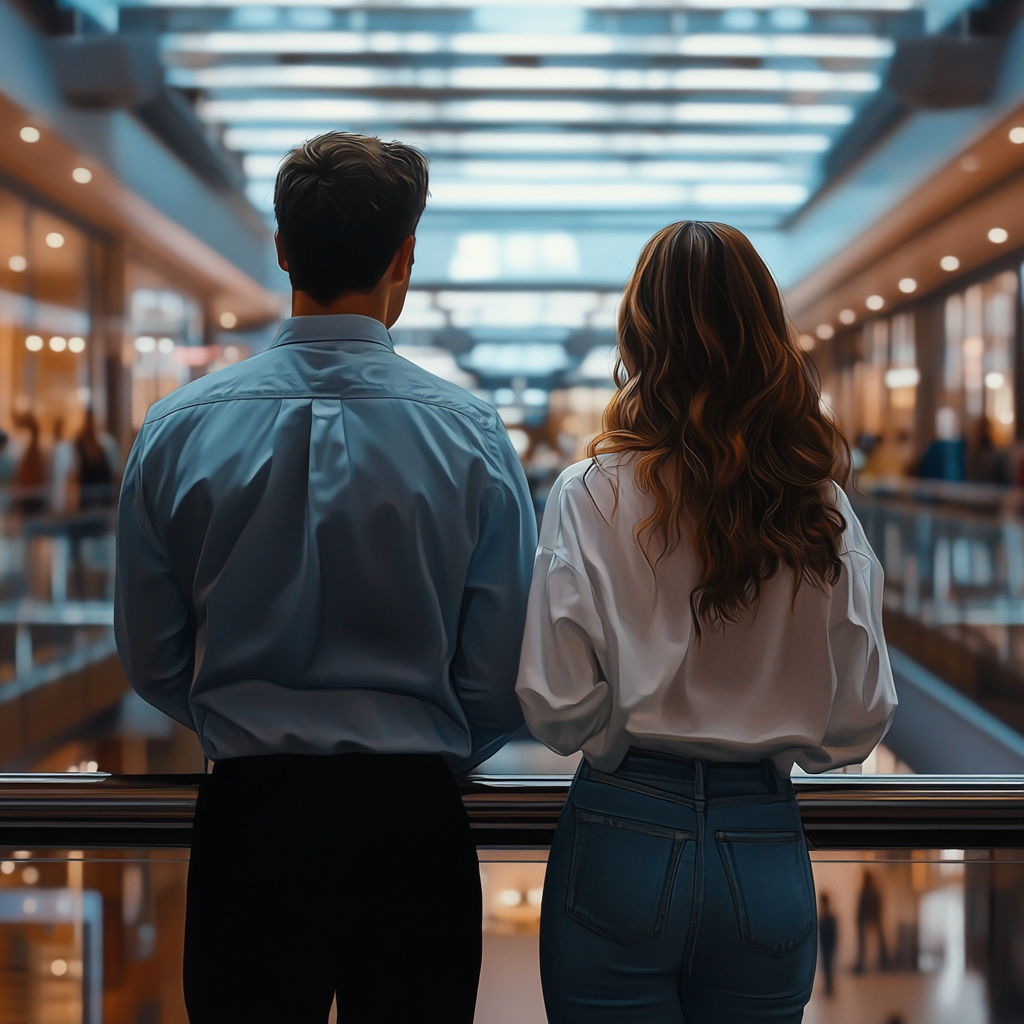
(873, 150)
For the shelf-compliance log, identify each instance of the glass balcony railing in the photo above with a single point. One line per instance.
(93, 870)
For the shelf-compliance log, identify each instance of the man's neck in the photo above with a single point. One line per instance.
(371, 304)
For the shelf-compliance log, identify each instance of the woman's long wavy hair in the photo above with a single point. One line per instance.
(721, 412)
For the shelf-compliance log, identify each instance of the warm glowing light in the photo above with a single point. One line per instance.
(29, 134)
(902, 377)
(807, 342)
(76, 344)
(54, 239)
(58, 344)
(509, 898)
(30, 905)
(534, 897)
(82, 175)
(907, 285)
(33, 343)
(874, 302)
(847, 316)
(994, 381)
(17, 264)
(1017, 135)
(7, 867)
(59, 967)
(998, 235)
(824, 331)
(228, 320)
(145, 344)
(950, 263)
(30, 875)
(92, 766)
(165, 345)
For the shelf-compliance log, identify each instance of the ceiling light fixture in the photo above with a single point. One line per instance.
(228, 320)
(998, 235)
(824, 331)
(1017, 135)
(82, 175)
(907, 285)
(874, 302)
(29, 134)
(17, 264)
(54, 239)
(949, 263)
(847, 316)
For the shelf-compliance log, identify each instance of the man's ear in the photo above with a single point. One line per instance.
(402, 266)
(281, 261)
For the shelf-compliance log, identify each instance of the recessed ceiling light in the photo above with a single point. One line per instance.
(58, 344)
(228, 320)
(33, 343)
(998, 235)
(17, 264)
(807, 342)
(847, 316)
(1017, 135)
(54, 239)
(76, 344)
(949, 263)
(824, 331)
(907, 285)
(29, 134)
(874, 302)
(82, 175)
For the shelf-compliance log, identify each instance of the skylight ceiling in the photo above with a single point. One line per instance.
(638, 109)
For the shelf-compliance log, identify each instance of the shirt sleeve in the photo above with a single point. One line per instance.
(153, 622)
(493, 609)
(865, 694)
(562, 687)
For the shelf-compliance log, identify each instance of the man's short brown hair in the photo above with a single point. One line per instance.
(344, 205)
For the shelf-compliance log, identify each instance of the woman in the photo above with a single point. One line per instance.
(705, 612)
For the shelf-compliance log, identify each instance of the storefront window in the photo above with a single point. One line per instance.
(163, 324)
(978, 371)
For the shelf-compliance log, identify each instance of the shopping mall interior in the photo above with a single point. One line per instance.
(872, 150)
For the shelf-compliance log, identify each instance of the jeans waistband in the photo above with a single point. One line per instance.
(696, 778)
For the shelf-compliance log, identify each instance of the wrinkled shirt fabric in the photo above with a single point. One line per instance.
(326, 549)
(611, 659)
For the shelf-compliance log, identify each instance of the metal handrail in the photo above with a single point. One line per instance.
(839, 812)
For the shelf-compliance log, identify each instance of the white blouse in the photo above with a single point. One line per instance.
(611, 660)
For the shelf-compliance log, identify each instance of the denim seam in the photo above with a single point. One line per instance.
(726, 836)
(679, 838)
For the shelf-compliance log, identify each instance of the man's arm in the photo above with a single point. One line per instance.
(494, 611)
(152, 620)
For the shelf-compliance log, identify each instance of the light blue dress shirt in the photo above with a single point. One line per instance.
(325, 549)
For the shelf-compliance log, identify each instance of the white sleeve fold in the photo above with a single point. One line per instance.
(864, 696)
(561, 686)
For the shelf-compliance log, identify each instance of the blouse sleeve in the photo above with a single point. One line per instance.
(865, 695)
(562, 687)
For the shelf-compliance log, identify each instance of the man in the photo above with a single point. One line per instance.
(324, 559)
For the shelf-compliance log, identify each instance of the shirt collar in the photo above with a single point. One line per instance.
(334, 327)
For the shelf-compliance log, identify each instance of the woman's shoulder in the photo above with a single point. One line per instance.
(586, 494)
(854, 540)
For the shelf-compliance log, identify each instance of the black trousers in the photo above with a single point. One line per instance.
(354, 874)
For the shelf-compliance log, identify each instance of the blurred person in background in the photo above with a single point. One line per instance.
(828, 937)
(869, 919)
(944, 457)
(30, 473)
(61, 470)
(7, 467)
(706, 611)
(324, 556)
(95, 473)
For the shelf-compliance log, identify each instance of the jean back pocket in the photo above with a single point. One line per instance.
(769, 876)
(622, 875)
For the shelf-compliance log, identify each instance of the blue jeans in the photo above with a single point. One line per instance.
(678, 892)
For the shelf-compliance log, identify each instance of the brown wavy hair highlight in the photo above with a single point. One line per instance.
(721, 412)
